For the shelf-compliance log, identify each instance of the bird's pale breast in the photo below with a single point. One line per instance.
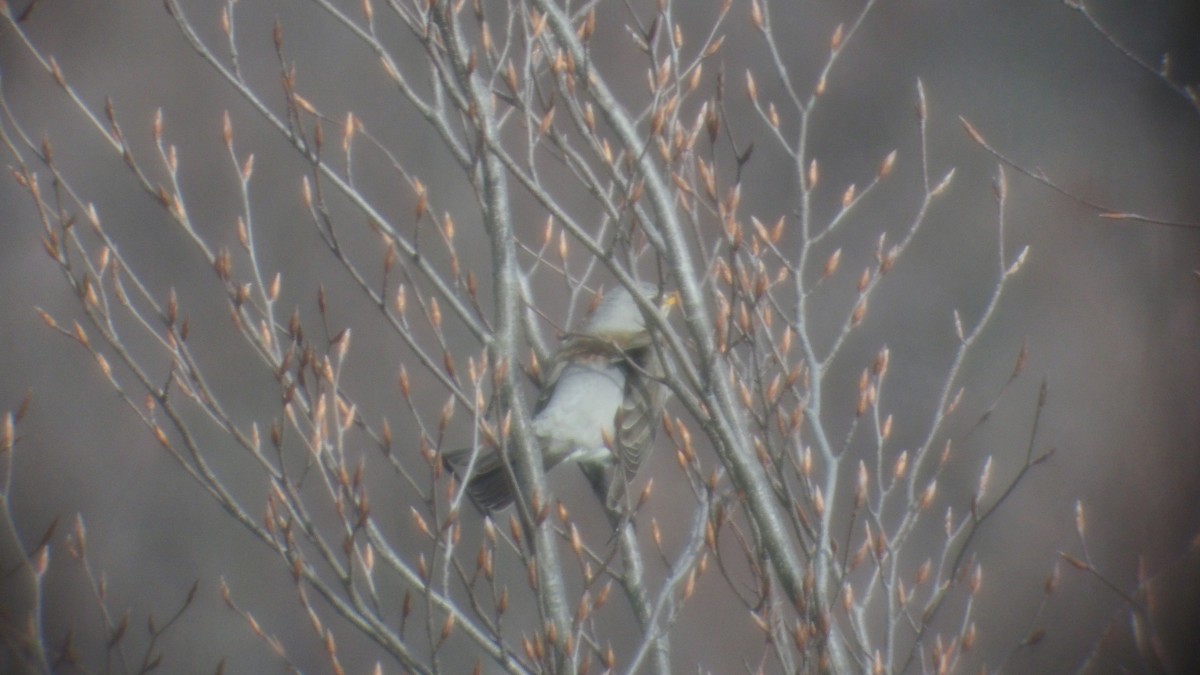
(581, 410)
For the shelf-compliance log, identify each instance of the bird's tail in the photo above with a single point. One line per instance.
(489, 485)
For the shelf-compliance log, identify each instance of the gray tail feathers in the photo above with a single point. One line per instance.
(489, 485)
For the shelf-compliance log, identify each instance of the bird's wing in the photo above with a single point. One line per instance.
(488, 484)
(637, 418)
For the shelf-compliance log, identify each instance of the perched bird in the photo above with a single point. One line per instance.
(599, 405)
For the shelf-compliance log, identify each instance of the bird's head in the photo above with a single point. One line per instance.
(619, 319)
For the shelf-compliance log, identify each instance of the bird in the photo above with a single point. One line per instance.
(598, 406)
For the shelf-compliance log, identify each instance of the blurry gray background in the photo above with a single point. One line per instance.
(1110, 309)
